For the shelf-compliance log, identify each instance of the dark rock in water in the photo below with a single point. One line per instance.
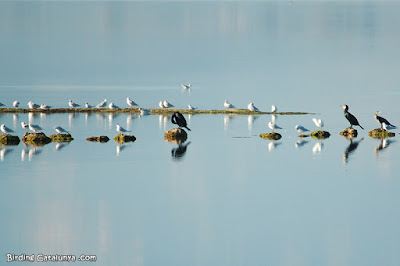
(349, 133)
(101, 139)
(303, 136)
(380, 133)
(36, 139)
(61, 138)
(121, 138)
(175, 135)
(320, 134)
(272, 136)
(9, 139)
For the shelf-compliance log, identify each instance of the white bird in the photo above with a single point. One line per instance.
(186, 87)
(318, 122)
(301, 129)
(32, 105)
(1, 104)
(16, 104)
(160, 104)
(121, 129)
(273, 126)
(130, 102)
(166, 104)
(144, 111)
(191, 107)
(228, 105)
(5, 129)
(274, 109)
(112, 106)
(88, 105)
(60, 130)
(102, 104)
(34, 128)
(252, 108)
(387, 127)
(24, 125)
(43, 106)
(72, 104)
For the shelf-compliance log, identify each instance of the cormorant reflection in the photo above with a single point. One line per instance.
(350, 149)
(179, 152)
(385, 143)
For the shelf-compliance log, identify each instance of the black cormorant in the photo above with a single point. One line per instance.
(382, 120)
(177, 118)
(351, 118)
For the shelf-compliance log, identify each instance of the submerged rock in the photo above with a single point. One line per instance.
(36, 139)
(61, 137)
(320, 134)
(175, 135)
(9, 139)
(380, 133)
(349, 133)
(101, 139)
(121, 138)
(272, 136)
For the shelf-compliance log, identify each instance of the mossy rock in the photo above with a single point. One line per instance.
(36, 139)
(9, 139)
(320, 134)
(175, 135)
(121, 138)
(349, 133)
(380, 133)
(61, 138)
(101, 139)
(271, 136)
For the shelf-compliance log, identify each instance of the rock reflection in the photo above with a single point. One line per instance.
(385, 143)
(350, 149)
(179, 152)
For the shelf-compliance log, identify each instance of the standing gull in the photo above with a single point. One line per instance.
(318, 122)
(60, 130)
(161, 105)
(274, 109)
(88, 105)
(5, 129)
(351, 118)
(186, 87)
(44, 106)
(16, 104)
(72, 104)
(252, 108)
(191, 107)
(112, 106)
(273, 126)
(166, 104)
(382, 120)
(24, 125)
(34, 128)
(144, 111)
(178, 119)
(102, 104)
(130, 102)
(32, 105)
(301, 129)
(228, 105)
(121, 129)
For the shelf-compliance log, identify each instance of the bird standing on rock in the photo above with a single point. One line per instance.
(178, 119)
(382, 121)
(351, 118)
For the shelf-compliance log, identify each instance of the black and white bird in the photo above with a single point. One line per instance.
(351, 118)
(1, 104)
(5, 129)
(382, 121)
(130, 102)
(72, 104)
(88, 105)
(60, 130)
(178, 119)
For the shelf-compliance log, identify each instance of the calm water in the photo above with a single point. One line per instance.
(227, 197)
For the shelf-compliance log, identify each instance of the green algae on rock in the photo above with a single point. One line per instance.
(380, 133)
(271, 136)
(9, 139)
(175, 135)
(349, 133)
(61, 137)
(101, 139)
(35, 139)
(121, 138)
(320, 134)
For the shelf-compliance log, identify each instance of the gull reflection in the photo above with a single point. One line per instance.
(272, 145)
(318, 147)
(129, 119)
(102, 118)
(71, 117)
(227, 120)
(120, 147)
(15, 120)
(43, 118)
(31, 117)
(250, 122)
(179, 152)
(24, 152)
(110, 120)
(300, 143)
(350, 149)
(60, 145)
(33, 151)
(273, 119)
(189, 119)
(4, 151)
(162, 121)
(385, 143)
